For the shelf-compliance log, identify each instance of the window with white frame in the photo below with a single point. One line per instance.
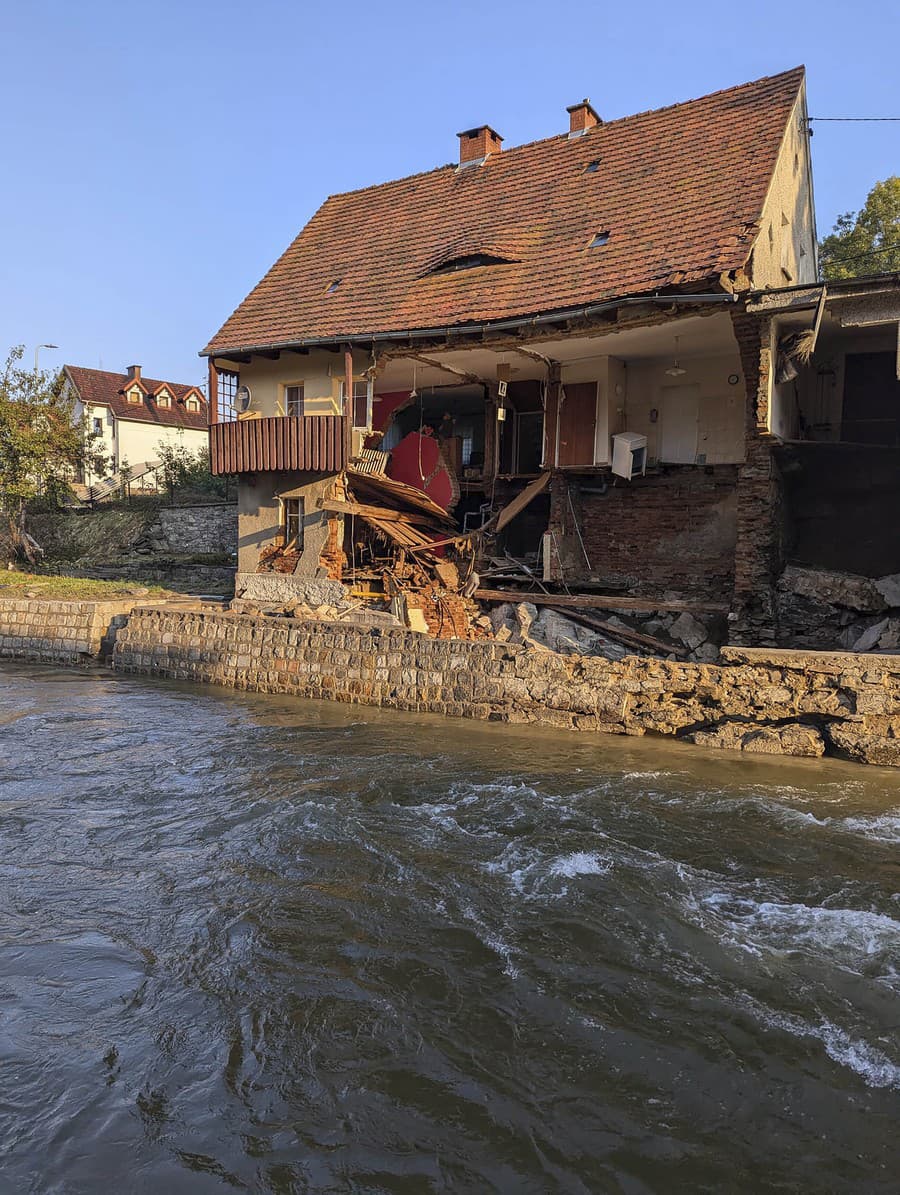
(362, 403)
(293, 399)
(192, 404)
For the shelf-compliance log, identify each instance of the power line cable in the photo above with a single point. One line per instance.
(852, 119)
(868, 253)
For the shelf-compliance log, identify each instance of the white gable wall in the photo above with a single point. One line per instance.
(785, 250)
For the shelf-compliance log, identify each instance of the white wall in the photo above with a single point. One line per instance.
(107, 442)
(320, 373)
(785, 250)
(720, 432)
(139, 442)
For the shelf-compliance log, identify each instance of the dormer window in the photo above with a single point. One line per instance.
(191, 404)
(134, 395)
(163, 399)
(470, 261)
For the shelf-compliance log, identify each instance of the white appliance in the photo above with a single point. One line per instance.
(629, 457)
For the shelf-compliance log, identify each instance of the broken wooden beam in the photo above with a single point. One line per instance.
(383, 513)
(598, 601)
(624, 634)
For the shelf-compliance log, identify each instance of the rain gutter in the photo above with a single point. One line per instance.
(533, 321)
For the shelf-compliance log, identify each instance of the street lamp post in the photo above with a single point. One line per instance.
(37, 349)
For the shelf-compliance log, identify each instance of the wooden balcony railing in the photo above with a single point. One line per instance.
(285, 443)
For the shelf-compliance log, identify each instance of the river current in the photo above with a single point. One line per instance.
(264, 944)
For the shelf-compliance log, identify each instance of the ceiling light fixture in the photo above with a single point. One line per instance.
(675, 370)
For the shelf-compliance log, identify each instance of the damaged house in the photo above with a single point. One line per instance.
(546, 368)
(829, 403)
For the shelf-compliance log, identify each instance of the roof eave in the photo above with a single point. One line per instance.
(475, 329)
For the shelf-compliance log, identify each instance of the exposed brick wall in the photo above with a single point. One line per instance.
(672, 532)
(770, 702)
(758, 552)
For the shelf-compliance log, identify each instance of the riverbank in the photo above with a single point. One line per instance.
(754, 700)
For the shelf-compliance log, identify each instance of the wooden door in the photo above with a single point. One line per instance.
(577, 424)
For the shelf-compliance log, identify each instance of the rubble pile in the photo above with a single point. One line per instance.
(278, 559)
(823, 610)
(681, 636)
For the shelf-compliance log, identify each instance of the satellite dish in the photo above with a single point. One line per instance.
(243, 399)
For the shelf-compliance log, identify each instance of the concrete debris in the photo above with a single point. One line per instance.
(830, 588)
(706, 653)
(572, 633)
(825, 610)
(526, 614)
(889, 639)
(870, 637)
(688, 631)
(889, 589)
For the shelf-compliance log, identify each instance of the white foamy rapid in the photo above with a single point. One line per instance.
(872, 1065)
(856, 939)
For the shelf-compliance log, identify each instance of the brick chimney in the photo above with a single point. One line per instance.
(581, 118)
(134, 373)
(476, 144)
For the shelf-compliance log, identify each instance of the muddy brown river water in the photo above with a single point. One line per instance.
(270, 945)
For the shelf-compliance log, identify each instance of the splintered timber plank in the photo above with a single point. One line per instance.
(624, 634)
(597, 601)
(377, 512)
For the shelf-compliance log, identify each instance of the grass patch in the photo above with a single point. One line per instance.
(75, 589)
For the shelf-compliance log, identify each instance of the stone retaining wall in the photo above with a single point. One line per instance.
(769, 701)
(189, 530)
(59, 632)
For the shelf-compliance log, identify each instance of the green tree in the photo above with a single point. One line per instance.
(866, 242)
(42, 446)
(184, 470)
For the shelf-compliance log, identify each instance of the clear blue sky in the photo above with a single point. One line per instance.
(158, 157)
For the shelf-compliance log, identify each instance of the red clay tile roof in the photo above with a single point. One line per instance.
(680, 190)
(100, 386)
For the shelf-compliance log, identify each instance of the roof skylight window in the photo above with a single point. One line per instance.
(599, 239)
(333, 287)
(592, 167)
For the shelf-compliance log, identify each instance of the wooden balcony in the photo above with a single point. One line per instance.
(285, 443)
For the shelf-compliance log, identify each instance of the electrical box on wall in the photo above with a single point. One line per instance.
(629, 458)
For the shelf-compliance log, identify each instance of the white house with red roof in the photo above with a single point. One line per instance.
(132, 415)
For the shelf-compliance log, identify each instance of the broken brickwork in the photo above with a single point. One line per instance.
(672, 532)
(759, 506)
